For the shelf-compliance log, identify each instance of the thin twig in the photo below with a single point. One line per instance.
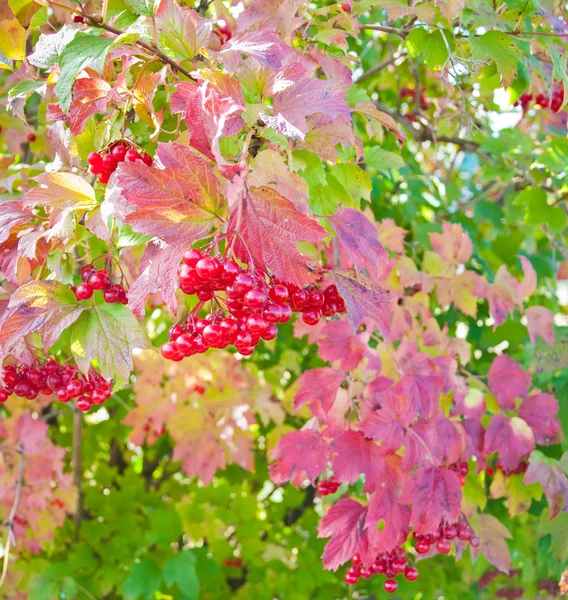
(77, 468)
(11, 539)
(400, 32)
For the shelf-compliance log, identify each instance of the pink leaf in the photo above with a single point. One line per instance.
(549, 473)
(272, 226)
(30, 433)
(201, 456)
(359, 238)
(310, 96)
(157, 273)
(391, 236)
(541, 413)
(453, 245)
(434, 493)
(539, 323)
(180, 202)
(422, 392)
(282, 126)
(326, 133)
(12, 216)
(339, 343)
(299, 455)
(512, 438)
(266, 47)
(444, 438)
(492, 535)
(508, 381)
(363, 298)
(528, 286)
(90, 96)
(395, 517)
(318, 385)
(356, 455)
(345, 524)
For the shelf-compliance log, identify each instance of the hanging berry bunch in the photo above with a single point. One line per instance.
(246, 304)
(325, 487)
(461, 469)
(447, 532)
(390, 564)
(553, 102)
(65, 381)
(100, 279)
(104, 164)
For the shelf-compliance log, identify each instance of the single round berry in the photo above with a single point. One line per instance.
(378, 567)
(390, 586)
(300, 299)
(74, 388)
(443, 546)
(99, 281)
(119, 152)
(422, 547)
(147, 159)
(399, 565)
(256, 324)
(131, 155)
(99, 396)
(269, 333)
(475, 541)
(31, 137)
(255, 298)
(109, 163)
(111, 295)
(366, 573)
(311, 316)
(316, 299)
(213, 335)
(62, 395)
(208, 268)
(95, 159)
(204, 295)
(286, 314)
(356, 559)
(191, 257)
(351, 578)
(411, 573)
(278, 294)
(83, 403)
(242, 284)
(170, 351)
(84, 291)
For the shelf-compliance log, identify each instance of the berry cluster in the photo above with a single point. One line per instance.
(95, 279)
(411, 95)
(65, 381)
(518, 470)
(390, 564)
(553, 102)
(442, 538)
(325, 487)
(251, 305)
(462, 469)
(105, 166)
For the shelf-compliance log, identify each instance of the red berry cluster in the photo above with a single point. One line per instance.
(462, 469)
(325, 487)
(95, 279)
(65, 381)
(518, 470)
(251, 305)
(554, 102)
(442, 538)
(411, 94)
(105, 166)
(390, 564)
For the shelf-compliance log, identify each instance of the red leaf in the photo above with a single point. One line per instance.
(177, 202)
(157, 272)
(363, 298)
(45, 307)
(444, 438)
(492, 535)
(310, 96)
(359, 237)
(90, 96)
(318, 385)
(422, 392)
(539, 323)
(541, 413)
(395, 516)
(299, 455)
(339, 343)
(549, 473)
(508, 381)
(12, 215)
(434, 493)
(271, 226)
(512, 438)
(356, 455)
(345, 524)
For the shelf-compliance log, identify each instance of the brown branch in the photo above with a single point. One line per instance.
(11, 539)
(400, 32)
(540, 33)
(91, 20)
(380, 67)
(77, 468)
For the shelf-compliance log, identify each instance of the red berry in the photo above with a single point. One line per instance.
(246, 350)
(103, 177)
(399, 565)
(99, 281)
(31, 137)
(331, 292)
(132, 155)
(365, 573)
(286, 314)
(256, 324)
(147, 160)
(208, 268)
(243, 338)
(191, 257)
(443, 546)
(269, 333)
(316, 299)
(230, 271)
(465, 534)
(95, 159)
(242, 284)
(356, 559)
(300, 299)
(51, 367)
(272, 313)
(475, 541)
(350, 578)
(311, 316)
(83, 403)
(184, 344)
(62, 395)
(74, 388)
(278, 294)
(78, 19)
(109, 163)
(213, 335)
(378, 566)
(422, 547)
(255, 298)
(4, 395)
(411, 573)
(451, 532)
(87, 271)
(204, 295)
(390, 586)
(99, 396)
(199, 345)
(175, 331)
(170, 351)
(84, 291)
(111, 295)
(119, 152)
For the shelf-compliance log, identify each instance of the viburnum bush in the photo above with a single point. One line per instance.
(283, 306)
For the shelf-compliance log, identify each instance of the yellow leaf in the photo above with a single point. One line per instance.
(12, 39)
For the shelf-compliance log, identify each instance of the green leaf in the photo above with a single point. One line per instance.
(500, 48)
(83, 51)
(50, 46)
(538, 210)
(382, 160)
(108, 334)
(430, 45)
(165, 526)
(143, 7)
(180, 570)
(144, 579)
(19, 94)
(356, 181)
